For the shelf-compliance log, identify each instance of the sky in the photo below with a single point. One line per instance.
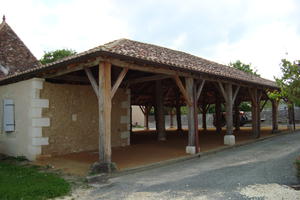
(259, 32)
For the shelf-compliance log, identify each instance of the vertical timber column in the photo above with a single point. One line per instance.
(104, 102)
(204, 111)
(255, 112)
(146, 117)
(229, 138)
(218, 115)
(178, 112)
(191, 149)
(160, 122)
(274, 116)
(237, 118)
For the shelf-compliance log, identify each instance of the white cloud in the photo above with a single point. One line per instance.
(78, 24)
(253, 31)
(263, 48)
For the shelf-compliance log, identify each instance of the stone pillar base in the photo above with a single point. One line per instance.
(229, 140)
(190, 149)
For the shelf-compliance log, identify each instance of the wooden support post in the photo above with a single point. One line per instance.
(191, 116)
(274, 115)
(229, 138)
(237, 117)
(171, 114)
(178, 112)
(229, 108)
(104, 102)
(218, 114)
(204, 109)
(159, 109)
(146, 120)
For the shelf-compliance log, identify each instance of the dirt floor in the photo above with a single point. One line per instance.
(145, 149)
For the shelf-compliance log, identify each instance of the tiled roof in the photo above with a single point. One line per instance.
(15, 57)
(160, 55)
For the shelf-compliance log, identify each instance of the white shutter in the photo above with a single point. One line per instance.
(9, 115)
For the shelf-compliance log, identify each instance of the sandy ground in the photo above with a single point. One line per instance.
(270, 192)
(246, 172)
(145, 149)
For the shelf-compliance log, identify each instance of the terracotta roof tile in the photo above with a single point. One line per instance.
(15, 57)
(165, 56)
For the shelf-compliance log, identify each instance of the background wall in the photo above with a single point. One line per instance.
(73, 112)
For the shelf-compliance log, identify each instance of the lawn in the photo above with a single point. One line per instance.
(28, 183)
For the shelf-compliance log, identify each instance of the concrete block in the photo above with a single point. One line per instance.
(124, 119)
(40, 103)
(39, 141)
(36, 132)
(229, 140)
(124, 134)
(35, 93)
(36, 112)
(190, 149)
(37, 83)
(41, 122)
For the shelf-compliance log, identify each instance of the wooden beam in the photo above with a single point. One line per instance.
(105, 113)
(71, 78)
(118, 81)
(73, 67)
(143, 109)
(264, 104)
(223, 91)
(161, 70)
(92, 80)
(183, 90)
(235, 93)
(200, 90)
(147, 79)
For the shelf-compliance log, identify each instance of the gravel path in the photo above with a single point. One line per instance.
(256, 171)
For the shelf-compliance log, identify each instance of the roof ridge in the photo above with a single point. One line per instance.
(113, 43)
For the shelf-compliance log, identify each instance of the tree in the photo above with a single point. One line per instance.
(244, 106)
(244, 67)
(52, 56)
(289, 82)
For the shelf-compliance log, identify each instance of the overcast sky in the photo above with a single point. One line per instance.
(260, 32)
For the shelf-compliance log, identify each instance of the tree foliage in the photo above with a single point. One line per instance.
(52, 56)
(244, 106)
(289, 82)
(244, 67)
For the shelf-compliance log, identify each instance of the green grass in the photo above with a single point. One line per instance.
(27, 183)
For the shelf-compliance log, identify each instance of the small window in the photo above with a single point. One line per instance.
(9, 115)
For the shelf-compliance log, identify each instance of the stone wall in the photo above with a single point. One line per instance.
(73, 112)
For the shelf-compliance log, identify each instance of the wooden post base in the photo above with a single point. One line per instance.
(99, 168)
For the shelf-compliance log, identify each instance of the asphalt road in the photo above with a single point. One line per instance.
(247, 172)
